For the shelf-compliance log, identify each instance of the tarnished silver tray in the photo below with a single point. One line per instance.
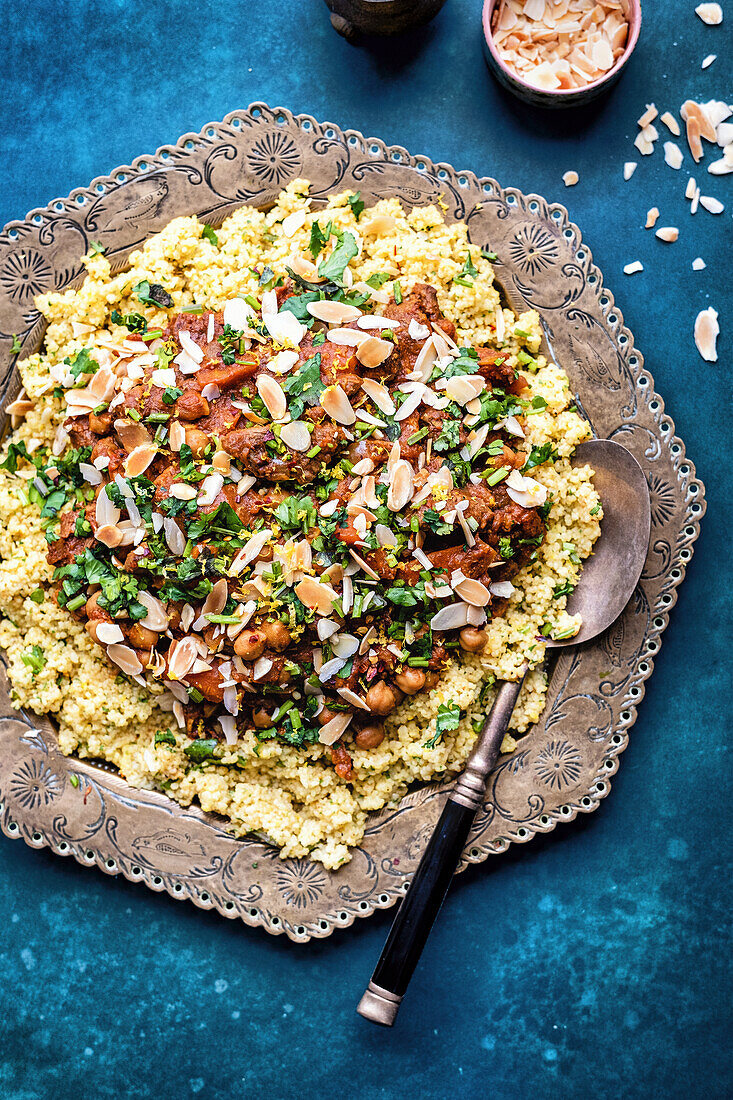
(564, 765)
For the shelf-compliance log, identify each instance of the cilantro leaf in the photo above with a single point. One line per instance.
(152, 294)
(538, 455)
(202, 750)
(15, 346)
(319, 239)
(449, 716)
(208, 233)
(34, 659)
(305, 386)
(449, 438)
(296, 513)
(135, 322)
(377, 281)
(333, 267)
(356, 204)
(298, 304)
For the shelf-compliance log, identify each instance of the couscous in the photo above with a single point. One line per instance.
(283, 500)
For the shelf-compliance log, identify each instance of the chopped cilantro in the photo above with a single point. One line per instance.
(164, 737)
(563, 589)
(318, 239)
(377, 281)
(135, 322)
(305, 386)
(334, 266)
(208, 233)
(96, 249)
(356, 204)
(152, 294)
(34, 658)
(449, 716)
(539, 455)
(15, 346)
(296, 513)
(202, 750)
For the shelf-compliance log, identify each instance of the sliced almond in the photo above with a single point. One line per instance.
(273, 396)
(190, 346)
(109, 535)
(693, 138)
(317, 596)
(125, 658)
(237, 314)
(452, 617)
(379, 394)
(305, 268)
(296, 436)
(373, 351)
(335, 402)
(181, 657)
(698, 264)
(251, 550)
(347, 337)
(174, 536)
(209, 489)
(401, 485)
(711, 204)
(707, 61)
(690, 188)
(182, 491)
(671, 123)
(570, 178)
(139, 459)
(707, 331)
(649, 115)
(108, 633)
(285, 328)
(333, 313)
(633, 268)
(331, 731)
(105, 512)
(293, 222)
(472, 591)
(668, 233)
(629, 169)
(283, 362)
(673, 155)
(176, 435)
(380, 225)
(712, 14)
(157, 616)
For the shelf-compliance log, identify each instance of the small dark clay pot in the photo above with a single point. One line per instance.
(353, 17)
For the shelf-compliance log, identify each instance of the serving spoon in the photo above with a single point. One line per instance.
(606, 584)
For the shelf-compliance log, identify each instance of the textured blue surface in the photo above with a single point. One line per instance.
(592, 962)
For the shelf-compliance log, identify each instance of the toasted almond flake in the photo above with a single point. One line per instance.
(316, 595)
(472, 592)
(690, 188)
(251, 549)
(90, 473)
(698, 264)
(707, 61)
(272, 395)
(525, 491)
(723, 166)
(108, 633)
(673, 155)
(711, 204)
(401, 485)
(333, 313)
(176, 435)
(130, 434)
(125, 658)
(712, 14)
(629, 169)
(671, 123)
(337, 405)
(649, 115)
(210, 488)
(157, 616)
(570, 178)
(347, 337)
(416, 331)
(163, 377)
(707, 331)
(293, 222)
(651, 217)
(668, 233)
(174, 537)
(181, 657)
(352, 698)
(330, 733)
(632, 268)
(222, 463)
(380, 225)
(408, 406)
(105, 512)
(644, 146)
(139, 459)
(363, 565)
(285, 328)
(372, 352)
(109, 535)
(463, 388)
(296, 436)
(452, 617)
(182, 491)
(190, 346)
(695, 201)
(283, 362)
(237, 314)
(693, 138)
(502, 589)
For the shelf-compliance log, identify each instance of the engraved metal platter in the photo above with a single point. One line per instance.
(565, 763)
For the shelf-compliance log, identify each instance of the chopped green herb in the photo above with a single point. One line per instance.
(449, 716)
(34, 658)
(397, 291)
(15, 346)
(356, 204)
(152, 294)
(202, 750)
(164, 737)
(209, 234)
(334, 266)
(96, 249)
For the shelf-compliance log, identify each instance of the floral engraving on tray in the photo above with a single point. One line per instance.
(558, 764)
(80, 808)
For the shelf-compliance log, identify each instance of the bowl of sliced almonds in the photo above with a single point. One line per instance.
(559, 53)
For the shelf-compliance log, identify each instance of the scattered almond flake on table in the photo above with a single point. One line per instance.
(698, 264)
(711, 204)
(695, 201)
(723, 166)
(649, 115)
(707, 331)
(570, 178)
(690, 189)
(651, 217)
(673, 155)
(668, 233)
(629, 169)
(671, 123)
(632, 268)
(712, 14)
(707, 62)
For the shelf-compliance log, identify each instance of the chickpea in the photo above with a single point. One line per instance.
(249, 645)
(410, 680)
(431, 680)
(192, 405)
(472, 640)
(99, 424)
(382, 698)
(369, 737)
(91, 629)
(197, 440)
(265, 554)
(213, 640)
(277, 634)
(92, 610)
(325, 716)
(140, 637)
(260, 718)
(145, 656)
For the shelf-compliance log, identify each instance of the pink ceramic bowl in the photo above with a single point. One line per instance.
(565, 97)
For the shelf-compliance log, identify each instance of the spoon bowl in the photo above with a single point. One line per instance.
(612, 572)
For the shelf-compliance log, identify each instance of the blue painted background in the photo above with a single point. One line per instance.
(592, 962)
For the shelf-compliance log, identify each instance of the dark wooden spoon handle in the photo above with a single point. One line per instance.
(419, 908)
